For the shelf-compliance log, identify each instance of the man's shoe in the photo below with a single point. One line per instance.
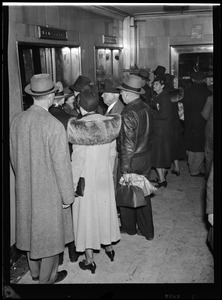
(74, 257)
(60, 276)
(35, 278)
(198, 175)
(140, 234)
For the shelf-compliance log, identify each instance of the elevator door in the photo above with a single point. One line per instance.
(190, 58)
(108, 65)
(63, 63)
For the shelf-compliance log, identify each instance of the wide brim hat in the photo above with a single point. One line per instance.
(110, 86)
(197, 75)
(144, 74)
(40, 85)
(88, 101)
(81, 83)
(133, 84)
(160, 70)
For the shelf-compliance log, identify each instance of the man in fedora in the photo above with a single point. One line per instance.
(145, 76)
(194, 124)
(110, 95)
(44, 188)
(135, 153)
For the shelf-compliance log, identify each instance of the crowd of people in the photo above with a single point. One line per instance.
(66, 135)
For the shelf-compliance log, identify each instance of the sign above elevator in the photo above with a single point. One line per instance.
(108, 39)
(50, 33)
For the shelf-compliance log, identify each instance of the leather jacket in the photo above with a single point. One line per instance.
(136, 132)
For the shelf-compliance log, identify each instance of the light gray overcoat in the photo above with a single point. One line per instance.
(41, 161)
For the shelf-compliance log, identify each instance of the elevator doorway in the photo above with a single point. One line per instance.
(62, 62)
(108, 65)
(190, 58)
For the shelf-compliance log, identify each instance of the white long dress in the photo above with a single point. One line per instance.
(95, 215)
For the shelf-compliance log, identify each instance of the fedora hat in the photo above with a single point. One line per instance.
(62, 92)
(197, 75)
(144, 74)
(132, 83)
(88, 101)
(81, 83)
(110, 86)
(40, 85)
(160, 70)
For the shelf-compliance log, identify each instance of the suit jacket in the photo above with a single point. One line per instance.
(116, 109)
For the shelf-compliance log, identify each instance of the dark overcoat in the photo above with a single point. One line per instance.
(41, 161)
(162, 131)
(194, 125)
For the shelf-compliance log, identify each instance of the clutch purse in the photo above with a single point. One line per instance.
(80, 187)
(130, 195)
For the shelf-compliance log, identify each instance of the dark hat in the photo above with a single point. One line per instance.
(160, 78)
(88, 101)
(197, 75)
(144, 74)
(169, 79)
(160, 70)
(40, 85)
(81, 83)
(110, 86)
(132, 83)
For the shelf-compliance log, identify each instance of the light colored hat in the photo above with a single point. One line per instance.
(40, 85)
(61, 92)
(132, 83)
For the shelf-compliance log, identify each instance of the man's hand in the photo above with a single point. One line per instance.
(127, 177)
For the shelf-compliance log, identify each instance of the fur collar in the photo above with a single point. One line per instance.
(176, 94)
(94, 132)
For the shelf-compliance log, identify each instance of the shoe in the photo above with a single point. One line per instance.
(35, 278)
(154, 180)
(160, 184)
(91, 267)
(60, 276)
(110, 254)
(140, 234)
(198, 175)
(175, 172)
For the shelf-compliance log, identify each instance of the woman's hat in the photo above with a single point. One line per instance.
(81, 83)
(110, 86)
(40, 85)
(88, 101)
(144, 74)
(160, 70)
(132, 83)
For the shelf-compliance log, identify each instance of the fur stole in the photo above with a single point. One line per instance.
(94, 132)
(176, 94)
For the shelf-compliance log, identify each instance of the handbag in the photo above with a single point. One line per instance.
(80, 187)
(129, 195)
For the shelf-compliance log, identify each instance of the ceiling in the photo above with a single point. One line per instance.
(122, 10)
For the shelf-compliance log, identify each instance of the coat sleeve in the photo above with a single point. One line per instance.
(127, 141)
(61, 163)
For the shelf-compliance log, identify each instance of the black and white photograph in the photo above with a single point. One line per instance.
(111, 150)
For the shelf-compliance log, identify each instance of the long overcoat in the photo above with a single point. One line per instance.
(194, 125)
(41, 161)
(95, 214)
(162, 131)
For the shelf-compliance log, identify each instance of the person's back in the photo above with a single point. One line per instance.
(40, 158)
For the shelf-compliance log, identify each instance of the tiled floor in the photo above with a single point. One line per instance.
(177, 255)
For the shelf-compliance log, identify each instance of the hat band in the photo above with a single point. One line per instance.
(42, 92)
(131, 88)
(60, 93)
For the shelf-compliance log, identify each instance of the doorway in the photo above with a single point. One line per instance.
(190, 58)
(62, 62)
